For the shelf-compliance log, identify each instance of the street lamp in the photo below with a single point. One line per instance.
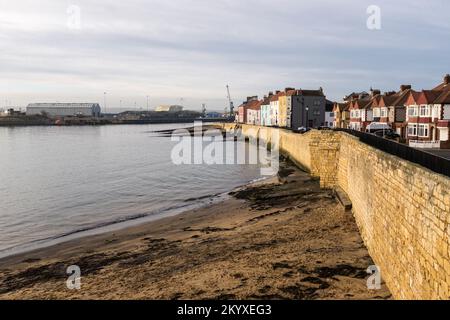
(147, 103)
(104, 100)
(307, 117)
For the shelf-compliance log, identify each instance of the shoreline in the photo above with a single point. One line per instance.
(287, 240)
(109, 227)
(39, 247)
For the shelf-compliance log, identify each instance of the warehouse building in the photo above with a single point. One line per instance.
(167, 108)
(65, 109)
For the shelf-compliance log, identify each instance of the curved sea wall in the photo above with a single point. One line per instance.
(402, 209)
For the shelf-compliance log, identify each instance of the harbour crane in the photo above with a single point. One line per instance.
(230, 102)
(204, 110)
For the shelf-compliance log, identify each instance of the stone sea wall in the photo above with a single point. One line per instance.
(402, 209)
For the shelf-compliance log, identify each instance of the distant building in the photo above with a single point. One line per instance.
(167, 108)
(242, 109)
(428, 117)
(214, 114)
(341, 115)
(329, 114)
(64, 109)
(285, 107)
(308, 108)
(11, 112)
(254, 112)
(275, 109)
(265, 111)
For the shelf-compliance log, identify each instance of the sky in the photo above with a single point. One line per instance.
(187, 51)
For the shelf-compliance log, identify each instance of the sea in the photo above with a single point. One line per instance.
(63, 183)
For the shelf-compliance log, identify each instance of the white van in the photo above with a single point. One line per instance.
(377, 126)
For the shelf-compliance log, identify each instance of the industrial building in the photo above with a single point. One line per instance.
(65, 109)
(167, 108)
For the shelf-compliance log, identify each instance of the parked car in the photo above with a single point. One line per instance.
(377, 126)
(302, 130)
(388, 134)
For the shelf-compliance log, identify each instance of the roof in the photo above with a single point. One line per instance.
(388, 100)
(402, 98)
(443, 98)
(412, 98)
(275, 97)
(355, 95)
(339, 107)
(254, 105)
(428, 96)
(265, 101)
(359, 104)
(311, 93)
(444, 86)
(329, 106)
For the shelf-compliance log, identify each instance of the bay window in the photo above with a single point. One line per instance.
(412, 130)
(376, 112)
(423, 130)
(425, 111)
(384, 113)
(413, 111)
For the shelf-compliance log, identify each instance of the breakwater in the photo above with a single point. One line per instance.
(402, 209)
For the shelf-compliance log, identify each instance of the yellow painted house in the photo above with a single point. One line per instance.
(285, 107)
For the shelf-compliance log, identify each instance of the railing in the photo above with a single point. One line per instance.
(425, 159)
(425, 144)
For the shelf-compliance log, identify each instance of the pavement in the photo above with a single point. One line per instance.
(444, 153)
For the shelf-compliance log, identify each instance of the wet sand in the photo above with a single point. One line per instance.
(281, 239)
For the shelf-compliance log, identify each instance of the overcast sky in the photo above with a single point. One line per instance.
(191, 49)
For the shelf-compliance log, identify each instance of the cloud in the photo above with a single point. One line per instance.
(193, 48)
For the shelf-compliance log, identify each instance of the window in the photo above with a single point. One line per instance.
(355, 114)
(436, 112)
(446, 112)
(413, 111)
(412, 130)
(317, 102)
(425, 111)
(384, 113)
(423, 130)
(376, 112)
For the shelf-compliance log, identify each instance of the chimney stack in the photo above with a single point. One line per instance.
(404, 87)
(447, 79)
(375, 92)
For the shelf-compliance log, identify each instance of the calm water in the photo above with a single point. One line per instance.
(57, 183)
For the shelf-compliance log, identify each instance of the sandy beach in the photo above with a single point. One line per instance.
(284, 238)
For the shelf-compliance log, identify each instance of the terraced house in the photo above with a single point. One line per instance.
(285, 107)
(265, 111)
(341, 115)
(358, 114)
(275, 109)
(254, 112)
(428, 117)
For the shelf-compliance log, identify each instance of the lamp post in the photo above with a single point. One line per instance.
(104, 100)
(307, 117)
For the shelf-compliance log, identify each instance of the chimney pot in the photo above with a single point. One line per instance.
(404, 87)
(447, 79)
